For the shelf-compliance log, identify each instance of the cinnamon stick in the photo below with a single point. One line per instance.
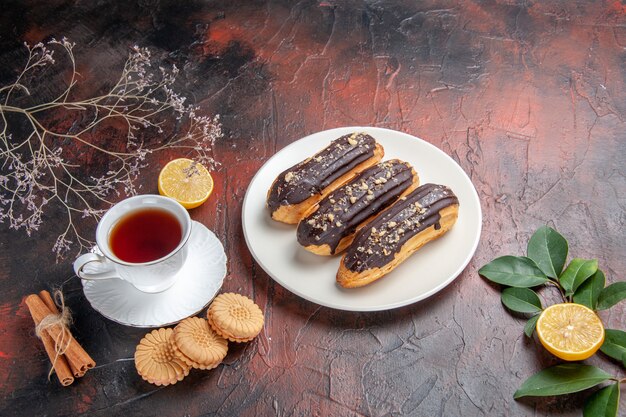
(85, 362)
(49, 302)
(61, 366)
(78, 359)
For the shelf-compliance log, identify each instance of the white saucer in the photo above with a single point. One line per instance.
(199, 280)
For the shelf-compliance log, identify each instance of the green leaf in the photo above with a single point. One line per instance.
(612, 295)
(589, 291)
(549, 251)
(521, 300)
(576, 273)
(562, 379)
(529, 328)
(604, 403)
(614, 344)
(514, 271)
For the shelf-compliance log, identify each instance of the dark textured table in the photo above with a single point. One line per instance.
(528, 97)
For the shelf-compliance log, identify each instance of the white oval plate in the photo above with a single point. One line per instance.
(200, 278)
(275, 248)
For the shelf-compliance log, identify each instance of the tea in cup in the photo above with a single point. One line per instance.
(142, 240)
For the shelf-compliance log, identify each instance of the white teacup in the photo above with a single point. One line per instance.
(154, 276)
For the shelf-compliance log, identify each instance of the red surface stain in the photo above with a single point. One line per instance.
(35, 34)
(86, 399)
(618, 7)
(222, 32)
(7, 344)
(13, 348)
(483, 21)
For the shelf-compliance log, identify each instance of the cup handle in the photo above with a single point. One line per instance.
(88, 258)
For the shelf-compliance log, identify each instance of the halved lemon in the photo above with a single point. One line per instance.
(570, 331)
(186, 181)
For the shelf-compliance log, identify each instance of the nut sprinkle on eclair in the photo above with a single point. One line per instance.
(385, 242)
(298, 188)
(330, 226)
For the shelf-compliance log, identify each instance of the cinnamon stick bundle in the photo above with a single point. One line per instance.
(60, 365)
(74, 361)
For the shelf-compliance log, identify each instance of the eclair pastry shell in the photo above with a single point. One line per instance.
(325, 249)
(293, 213)
(351, 279)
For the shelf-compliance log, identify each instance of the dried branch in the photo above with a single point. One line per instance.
(42, 166)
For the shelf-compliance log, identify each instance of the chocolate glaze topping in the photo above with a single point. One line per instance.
(340, 212)
(311, 176)
(376, 244)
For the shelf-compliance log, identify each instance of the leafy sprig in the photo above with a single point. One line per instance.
(580, 282)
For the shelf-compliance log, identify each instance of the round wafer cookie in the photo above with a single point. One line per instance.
(235, 317)
(198, 345)
(155, 360)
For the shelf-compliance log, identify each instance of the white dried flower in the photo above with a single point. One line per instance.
(35, 173)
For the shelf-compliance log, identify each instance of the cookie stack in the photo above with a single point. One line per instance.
(198, 345)
(235, 317)
(165, 356)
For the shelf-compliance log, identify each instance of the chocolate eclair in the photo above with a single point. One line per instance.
(329, 226)
(399, 231)
(298, 188)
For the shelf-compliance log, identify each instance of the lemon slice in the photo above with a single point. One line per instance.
(186, 181)
(570, 331)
